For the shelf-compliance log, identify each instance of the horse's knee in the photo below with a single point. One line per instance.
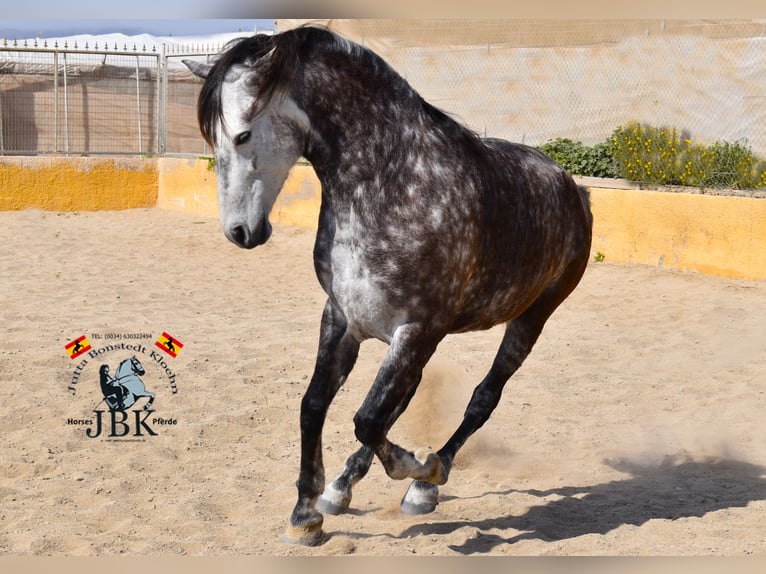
(368, 431)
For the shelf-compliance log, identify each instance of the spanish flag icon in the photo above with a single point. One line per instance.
(170, 345)
(77, 347)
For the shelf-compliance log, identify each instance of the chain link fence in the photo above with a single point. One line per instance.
(527, 81)
(181, 135)
(532, 81)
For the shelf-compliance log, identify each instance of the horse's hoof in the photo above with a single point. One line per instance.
(310, 535)
(333, 501)
(421, 498)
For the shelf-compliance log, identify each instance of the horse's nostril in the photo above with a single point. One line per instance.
(247, 238)
(264, 234)
(239, 235)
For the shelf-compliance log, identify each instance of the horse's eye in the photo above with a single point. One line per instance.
(242, 138)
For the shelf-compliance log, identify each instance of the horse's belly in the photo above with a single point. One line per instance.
(481, 317)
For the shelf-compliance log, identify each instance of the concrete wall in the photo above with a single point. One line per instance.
(187, 185)
(77, 184)
(190, 185)
(717, 235)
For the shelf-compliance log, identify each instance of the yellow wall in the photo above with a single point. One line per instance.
(190, 185)
(298, 202)
(717, 235)
(187, 185)
(77, 184)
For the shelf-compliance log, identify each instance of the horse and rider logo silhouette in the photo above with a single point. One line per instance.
(123, 390)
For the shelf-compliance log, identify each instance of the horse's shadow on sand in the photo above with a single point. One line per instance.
(676, 488)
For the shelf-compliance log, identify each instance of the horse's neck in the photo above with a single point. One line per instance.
(355, 123)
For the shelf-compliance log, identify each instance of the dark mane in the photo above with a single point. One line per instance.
(276, 73)
(283, 51)
(243, 51)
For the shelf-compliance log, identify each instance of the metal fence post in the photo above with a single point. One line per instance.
(2, 147)
(66, 110)
(162, 100)
(138, 106)
(55, 101)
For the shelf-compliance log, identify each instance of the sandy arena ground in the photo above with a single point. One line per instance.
(634, 428)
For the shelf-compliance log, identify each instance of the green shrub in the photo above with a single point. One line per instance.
(602, 161)
(665, 156)
(648, 154)
(579, 159)
(567, 153)
(732, 166)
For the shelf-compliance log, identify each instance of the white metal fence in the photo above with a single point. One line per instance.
(91, 99)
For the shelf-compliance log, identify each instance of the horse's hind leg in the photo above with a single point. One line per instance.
(518, 340)
(335, 357)
(422, 497)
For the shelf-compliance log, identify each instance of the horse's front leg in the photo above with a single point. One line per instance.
(336, 356)
(394, 386)
(337, 495)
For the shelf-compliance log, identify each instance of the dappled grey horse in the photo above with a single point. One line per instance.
(425, 229)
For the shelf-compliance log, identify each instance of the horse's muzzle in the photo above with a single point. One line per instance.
(247, 238)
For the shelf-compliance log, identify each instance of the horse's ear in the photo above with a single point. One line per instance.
(198, 69)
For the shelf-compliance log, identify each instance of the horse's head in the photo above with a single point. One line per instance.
(257, 131)
(136, 366)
